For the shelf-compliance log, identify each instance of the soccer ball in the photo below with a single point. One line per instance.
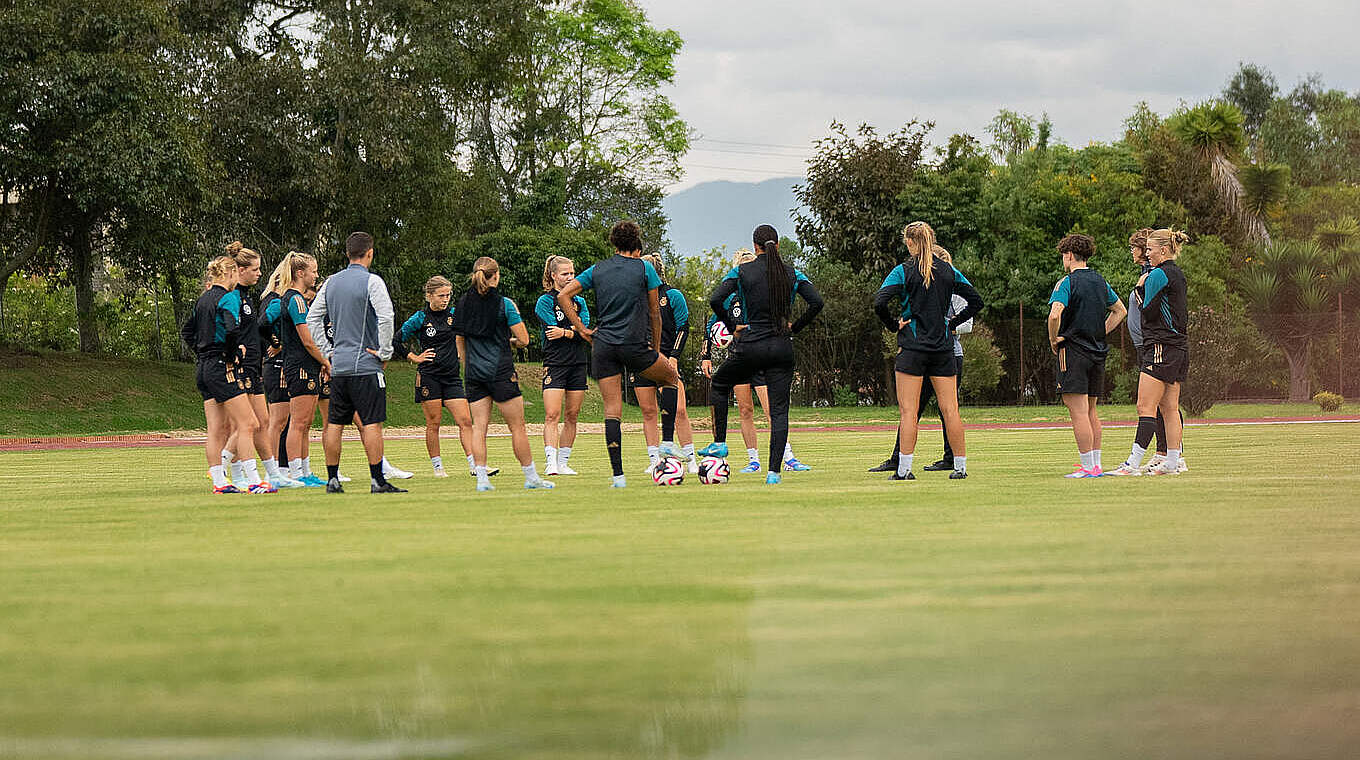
(669, 471)
(714, 470)
(722, 337)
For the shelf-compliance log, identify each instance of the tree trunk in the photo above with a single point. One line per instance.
(1300, 388)
(82, 257)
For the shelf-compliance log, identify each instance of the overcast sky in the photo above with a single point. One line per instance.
(768, 76)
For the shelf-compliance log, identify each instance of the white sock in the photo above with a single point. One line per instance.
(227, 456)
(1087, 460)
(472, 464)
(219, 475)
(295, 469)
(904, 464)
(960, 464)
(1136, 456)
(238, 473)
(530, 473)
(271, 468)
(437, 462)
(752, 455)
(306, 465)
(550, 455)
(252, 472)
(387, 466)
(1173, 459)
(687, 450)
(563, 454)
(788, 451)
(1095, 458)
(653, 453)
(480, 472)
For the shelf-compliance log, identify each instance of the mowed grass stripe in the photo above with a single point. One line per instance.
(837, 615)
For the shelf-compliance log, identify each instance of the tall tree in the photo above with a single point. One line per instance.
(1214, 131)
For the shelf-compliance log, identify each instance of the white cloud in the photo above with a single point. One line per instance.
(777, 73)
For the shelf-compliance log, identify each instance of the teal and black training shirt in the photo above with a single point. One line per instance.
(1162, 297)
(563, 352)
(1086, 300)
(433, 330)
(489, 355)
(293, 308)
(925, 309)
(622, 307)
(674, 321)
(213, 331)
(750, 283)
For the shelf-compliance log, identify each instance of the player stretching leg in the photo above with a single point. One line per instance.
(763, 341)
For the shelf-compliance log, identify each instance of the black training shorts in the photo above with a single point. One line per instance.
(608, 360)
(365, 395)
(1169, 364)
(275, 388)
(432, 387)
(252, 378)
(926, 363)
(217, 381)
(500, 390)
(571, 377)
(1079, 372)
(302, 382)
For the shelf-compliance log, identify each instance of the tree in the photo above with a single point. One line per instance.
(1289, 287)
(1012, 134)
(1214, 131)
(1253, 90)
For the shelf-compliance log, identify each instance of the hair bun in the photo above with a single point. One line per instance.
(234, 247)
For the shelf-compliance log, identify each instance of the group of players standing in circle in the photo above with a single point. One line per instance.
(264, 367)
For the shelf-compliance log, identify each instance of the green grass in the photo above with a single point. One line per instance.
(58, 394)
(1014, 614)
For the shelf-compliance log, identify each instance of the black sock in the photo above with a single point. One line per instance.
(375, 472)
(1147, 428)
(332, 471)
(283, 445)
(1161, 433)
(613, 441)
(721, 400)
(670, 399)
(897, 445)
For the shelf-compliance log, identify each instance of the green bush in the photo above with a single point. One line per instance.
(981, 361)
(844, 395)
(1328, 401)
(1212, 350)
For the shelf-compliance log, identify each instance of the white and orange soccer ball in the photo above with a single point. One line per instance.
(669, 471)
(722, 337)
(714, 470)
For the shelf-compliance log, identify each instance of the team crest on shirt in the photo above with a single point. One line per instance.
(429, 331)
(736, 310)
(664, 300)
(558, 313)
(450, 318)
(245, 308)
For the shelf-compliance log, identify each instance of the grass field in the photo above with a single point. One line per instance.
(56, 394)
(1014, 614)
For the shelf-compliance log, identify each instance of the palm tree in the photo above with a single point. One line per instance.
(1263, 187)
(1214, 130)
(1290, 287)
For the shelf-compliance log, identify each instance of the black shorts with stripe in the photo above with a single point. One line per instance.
(1170, 364)
(218, 381)
(568, 377)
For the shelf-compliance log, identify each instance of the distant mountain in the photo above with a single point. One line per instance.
(724, 213)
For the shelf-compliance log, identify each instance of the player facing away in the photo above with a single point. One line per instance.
(213, 332)
(360, 311)
(627, 301)
(674, 335)
(1083, 309)
(439, 382)
(1138, 252)
(925, 287)
(488, 326)
(1165, 362)
(564, 365)
(762, 341)
(303, 365)
(946, 462)
(271, 335)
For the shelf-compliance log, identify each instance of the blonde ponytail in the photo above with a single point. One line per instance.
(282, 278)
(1170, 239)
(919, 238)
(221, 267)
(482, 271)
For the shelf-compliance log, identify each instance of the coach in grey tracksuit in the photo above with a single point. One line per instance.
(361, 318)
